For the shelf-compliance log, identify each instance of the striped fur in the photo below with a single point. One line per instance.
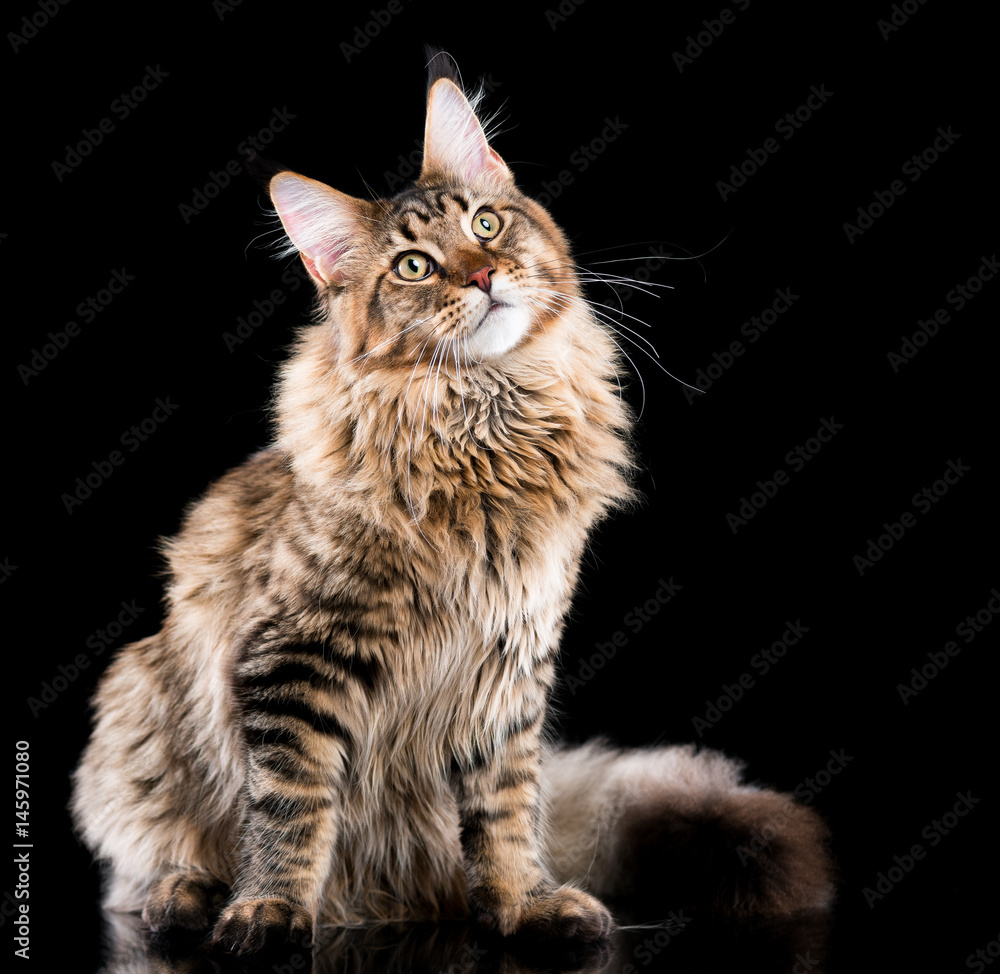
(342, 719)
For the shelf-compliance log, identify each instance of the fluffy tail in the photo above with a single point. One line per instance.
(674, 827)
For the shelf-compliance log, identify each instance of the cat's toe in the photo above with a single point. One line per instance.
(566, 914)
(253, 925)
(182, 901)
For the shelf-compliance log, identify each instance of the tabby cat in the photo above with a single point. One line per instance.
(341, 720)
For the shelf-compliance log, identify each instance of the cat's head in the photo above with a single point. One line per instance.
(459, 266)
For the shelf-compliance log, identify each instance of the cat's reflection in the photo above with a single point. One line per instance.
(680, 943)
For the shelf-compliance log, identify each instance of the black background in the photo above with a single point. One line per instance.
(557, 79)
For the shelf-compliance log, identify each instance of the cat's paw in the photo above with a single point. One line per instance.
(249, 926)
(563, 913)
(182, 901)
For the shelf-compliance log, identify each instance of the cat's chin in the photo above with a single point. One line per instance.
(502, 327)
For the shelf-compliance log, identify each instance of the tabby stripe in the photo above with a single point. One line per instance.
(299, 710)
(376, 318)
(289, 859)
(523, 724)
(280, 766)
(524, 213)
(294, 836)
(287, 808)
(407, 232)
(477, 828)
(285, 672)
(258, 737)
(367, 671)
(514, 778)
(397, 348)
(491, 816)
(460, 200)
(297, 835)
(423, 217)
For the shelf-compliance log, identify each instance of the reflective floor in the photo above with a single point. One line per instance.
(916, 934)
(679, 944)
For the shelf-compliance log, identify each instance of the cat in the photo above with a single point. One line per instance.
(343, 717)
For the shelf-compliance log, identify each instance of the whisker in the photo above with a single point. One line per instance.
(461, 390)
(393, 337)
(402, 403)
(604, 316)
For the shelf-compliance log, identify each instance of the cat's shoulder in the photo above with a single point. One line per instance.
(236, 513)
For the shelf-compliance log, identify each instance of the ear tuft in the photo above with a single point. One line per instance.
(322, 224)
(454, 141)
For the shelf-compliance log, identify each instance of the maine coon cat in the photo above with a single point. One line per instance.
(341, 720)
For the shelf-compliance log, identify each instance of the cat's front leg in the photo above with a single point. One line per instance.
(499, 807)
(295, 753)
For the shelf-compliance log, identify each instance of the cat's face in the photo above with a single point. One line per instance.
(458, 269)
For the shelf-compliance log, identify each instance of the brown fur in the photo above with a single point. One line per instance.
(342, 717)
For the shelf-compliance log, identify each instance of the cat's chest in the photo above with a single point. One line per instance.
(471, 639)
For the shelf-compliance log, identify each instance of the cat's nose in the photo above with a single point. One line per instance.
(481, 278)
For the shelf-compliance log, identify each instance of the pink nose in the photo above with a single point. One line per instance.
(481, 278)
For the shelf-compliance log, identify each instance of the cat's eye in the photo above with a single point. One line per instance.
(414, 266)
(486, 224)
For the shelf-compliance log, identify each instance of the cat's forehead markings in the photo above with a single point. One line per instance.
(457, 197)
(404, 228)
(420, 215)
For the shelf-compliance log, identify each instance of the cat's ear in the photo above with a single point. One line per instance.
(322, 224)
(454, 141)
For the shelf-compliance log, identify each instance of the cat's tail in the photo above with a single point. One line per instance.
(678, 827)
